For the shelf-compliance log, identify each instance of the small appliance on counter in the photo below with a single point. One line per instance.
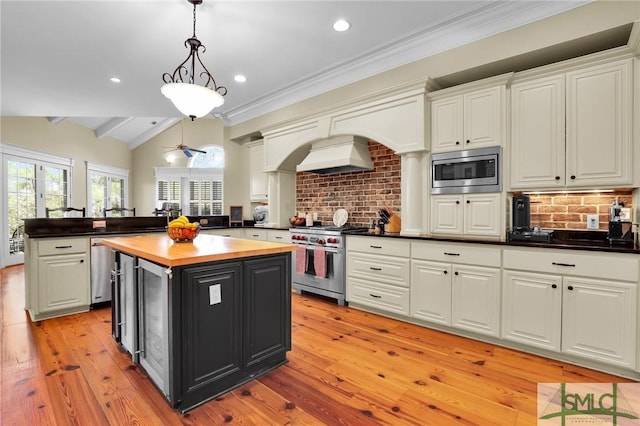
(261, 215)
(620, 230)
(521, 226)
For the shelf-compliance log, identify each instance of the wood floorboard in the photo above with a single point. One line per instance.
(347, 367)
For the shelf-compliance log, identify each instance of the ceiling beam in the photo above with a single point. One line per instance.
(56, 120)
(154, 131)
(111, 126)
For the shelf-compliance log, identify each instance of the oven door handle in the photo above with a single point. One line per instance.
(333, 251)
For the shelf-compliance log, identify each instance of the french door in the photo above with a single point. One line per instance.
(31, 182)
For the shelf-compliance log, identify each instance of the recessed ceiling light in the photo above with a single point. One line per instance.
(115, 79)
(240, 78)
(341, 25)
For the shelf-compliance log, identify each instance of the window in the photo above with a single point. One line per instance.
(107, 188)
(197, 189)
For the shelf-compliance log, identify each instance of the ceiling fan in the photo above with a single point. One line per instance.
(187, 150)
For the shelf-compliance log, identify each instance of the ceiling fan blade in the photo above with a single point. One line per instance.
(197, 150)
(187, 152)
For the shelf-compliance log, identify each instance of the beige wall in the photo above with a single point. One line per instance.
(68, 140)
(196, 134)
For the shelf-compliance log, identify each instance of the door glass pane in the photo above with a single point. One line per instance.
(55, 191)
(98, 194)
(117, 194)
(21, 197)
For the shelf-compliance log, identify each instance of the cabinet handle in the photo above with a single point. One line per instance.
(376, 247)
(564, 264)
(554, 286)
(451, 254)
(573, 177)
(557, 177)
(255, 235)
(63, 247)
(375, 295)
(570, 287)
(278, 238)
(375, 269)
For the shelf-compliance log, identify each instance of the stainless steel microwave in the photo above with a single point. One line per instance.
(461, 172)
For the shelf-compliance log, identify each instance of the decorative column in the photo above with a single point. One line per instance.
(415, 187)
(282, 198)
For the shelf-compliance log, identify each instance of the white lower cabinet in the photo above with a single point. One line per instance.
(259, 234)
(458, 292)
(532, 309)
(226, 232)
(467, 214)
(378, 273)
(557, 308)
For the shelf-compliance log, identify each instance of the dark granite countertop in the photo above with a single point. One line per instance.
(562, 239)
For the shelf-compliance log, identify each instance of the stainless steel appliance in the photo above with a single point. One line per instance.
(473, 170)
(331, 240)
(102, 258)
(521, 223)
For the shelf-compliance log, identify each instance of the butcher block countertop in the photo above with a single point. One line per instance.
(159, 248)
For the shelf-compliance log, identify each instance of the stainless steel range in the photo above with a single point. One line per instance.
(318, 266)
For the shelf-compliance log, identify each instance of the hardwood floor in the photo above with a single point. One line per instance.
(347, 367)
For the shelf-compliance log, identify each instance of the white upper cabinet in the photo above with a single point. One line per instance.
(573, 129)
(467, 214)
(468, 120)
(258, 179)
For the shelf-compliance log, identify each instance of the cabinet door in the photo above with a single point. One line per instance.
(267, 301)
(532, 309)
(599, 320)
(255, 234)
(211, 329)
(446, 124)
(538, 133)
(153, 322)
(483, 118)
(599, 127)
(475, 299)
(482, 214)
(63, 282)
(431, 291)
(446, 214)
(258, 180)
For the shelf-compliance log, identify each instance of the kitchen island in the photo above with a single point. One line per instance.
(202, 317)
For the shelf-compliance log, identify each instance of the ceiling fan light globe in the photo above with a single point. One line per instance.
(192, 100)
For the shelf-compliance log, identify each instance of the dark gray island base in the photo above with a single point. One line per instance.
(204, 328)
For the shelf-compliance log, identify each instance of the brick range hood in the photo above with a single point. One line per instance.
(339, 154)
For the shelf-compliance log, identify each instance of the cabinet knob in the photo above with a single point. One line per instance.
(468, 141)
(445, 272)
(468, 202)
(81, 260)
(457, 202)
(457, 142)
(573, 177)
(570, 287)
(554, 286)
(557, 177)
(455, 273)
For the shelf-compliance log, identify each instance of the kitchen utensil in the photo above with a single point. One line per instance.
(384, 215)
(340, 217)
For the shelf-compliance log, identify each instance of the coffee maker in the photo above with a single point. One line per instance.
(619, 229)
(521, 222)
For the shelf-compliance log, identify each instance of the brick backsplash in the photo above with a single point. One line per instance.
(361, 194)
(569, 211)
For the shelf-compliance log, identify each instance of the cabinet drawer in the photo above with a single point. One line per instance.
(482, 255)
(278, 236)
(49, 247)
(384, 297)
(379, 245)
(389, 269)
(566, 262)
(255, 234)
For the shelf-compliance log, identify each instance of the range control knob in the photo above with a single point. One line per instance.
(320, 241)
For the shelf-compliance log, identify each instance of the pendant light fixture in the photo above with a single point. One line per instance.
(191, 99)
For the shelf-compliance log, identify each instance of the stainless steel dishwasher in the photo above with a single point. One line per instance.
(101, 264)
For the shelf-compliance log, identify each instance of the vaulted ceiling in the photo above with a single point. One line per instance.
(57, 56)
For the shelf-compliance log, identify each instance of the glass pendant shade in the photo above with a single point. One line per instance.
(192, 100)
